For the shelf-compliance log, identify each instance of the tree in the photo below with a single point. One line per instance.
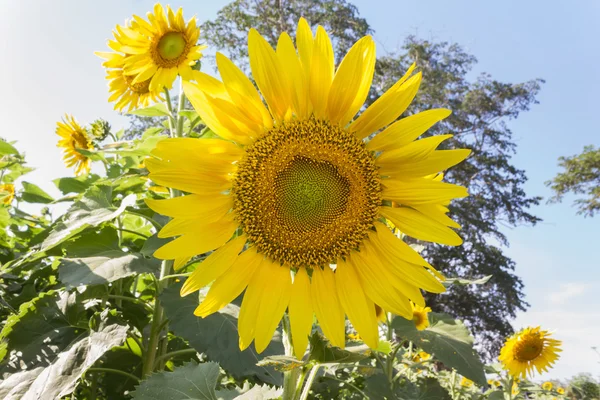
(581, 176)
(481, 109)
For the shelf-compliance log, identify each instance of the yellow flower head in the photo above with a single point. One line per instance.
(156, 50)
(560, 390)
(294, 187)
(515, 389)
(74, 137)
(420, 317)
(547, 386)
(528, 349)
(466, 382)
(7, 193)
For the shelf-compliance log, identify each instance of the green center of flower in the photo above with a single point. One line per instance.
(311, 193)
(171, 45)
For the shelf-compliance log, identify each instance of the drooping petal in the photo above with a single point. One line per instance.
(250, 308)
(301, 312)
(228, 286)
(215, 265)
(327, 305)
(439, 160)
(359, 308)
(412, 152)
(438, 213)
(421, 191)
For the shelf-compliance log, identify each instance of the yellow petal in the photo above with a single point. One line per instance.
(275, 299)
(250, 308)
(269, 74)
(301, 312)
(209, 85)
(183, 180)
(390, 245)
(192, 205)
(299, 84)
(179, 263)
(438, 213)
(204, 105)
(421, 191)
(388, 107)
(304, 42)
(242, 91)
(406, 130)
(412, 152)
(359, 308)
(198, 151)
(217, 263)
(321, 72)
(377, 287)
(215, 235)
(352, 82)
(439, 160)
(185, 226)
(419, 226)
(327, 305)
(229, 285)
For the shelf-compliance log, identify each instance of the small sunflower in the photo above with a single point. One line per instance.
(7, 193)
(528, 349)
(419, 316)
(156, 50)
(547, 386)
(74, 137)
(560, 390)
(465, 382)
(126, 94)
(294, 189)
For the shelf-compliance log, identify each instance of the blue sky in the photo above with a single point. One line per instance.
(49, 68)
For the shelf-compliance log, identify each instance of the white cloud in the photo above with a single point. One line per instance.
(567, 292)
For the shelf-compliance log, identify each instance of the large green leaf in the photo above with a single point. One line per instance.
(217, 337)
(448, 340)
(104, 267)
(191, 381)
(34, 194)
(196, 382)
(378, 387)
(60, 376)
(94, 208)
(75, 184)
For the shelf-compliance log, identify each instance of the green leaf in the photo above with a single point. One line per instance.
(75, 185)
(153, 131)
(59, 378)
(104, 267)
(258, 392)
(461, 281)
(34, 194)
(7, 148)
(281, 363)
(217, 337)
(191, 381)
(152, 244)
(497, 395)
(448, 340)
(156, 110)
(94, 208)
(323, 353)
(189, 114)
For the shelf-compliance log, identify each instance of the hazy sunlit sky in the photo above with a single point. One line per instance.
(48, 68)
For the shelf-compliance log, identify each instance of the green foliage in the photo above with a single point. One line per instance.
(581, 176)
(448, 340)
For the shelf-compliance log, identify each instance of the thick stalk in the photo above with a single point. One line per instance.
(309, 382)
(389, 366)
(290, 378)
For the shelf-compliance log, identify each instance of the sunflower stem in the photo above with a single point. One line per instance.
(309, 382)
(180, 118)
(290, 378)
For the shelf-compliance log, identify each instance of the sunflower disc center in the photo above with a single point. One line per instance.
(310, 193)
(529, 348)
(306, 193)
(171, 45)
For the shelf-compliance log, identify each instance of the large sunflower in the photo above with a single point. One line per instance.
(125, 93)
(295, 202)
(528, 349)
(73, 137)
(157, 49)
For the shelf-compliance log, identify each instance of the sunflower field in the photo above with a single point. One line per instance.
(260, 238)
